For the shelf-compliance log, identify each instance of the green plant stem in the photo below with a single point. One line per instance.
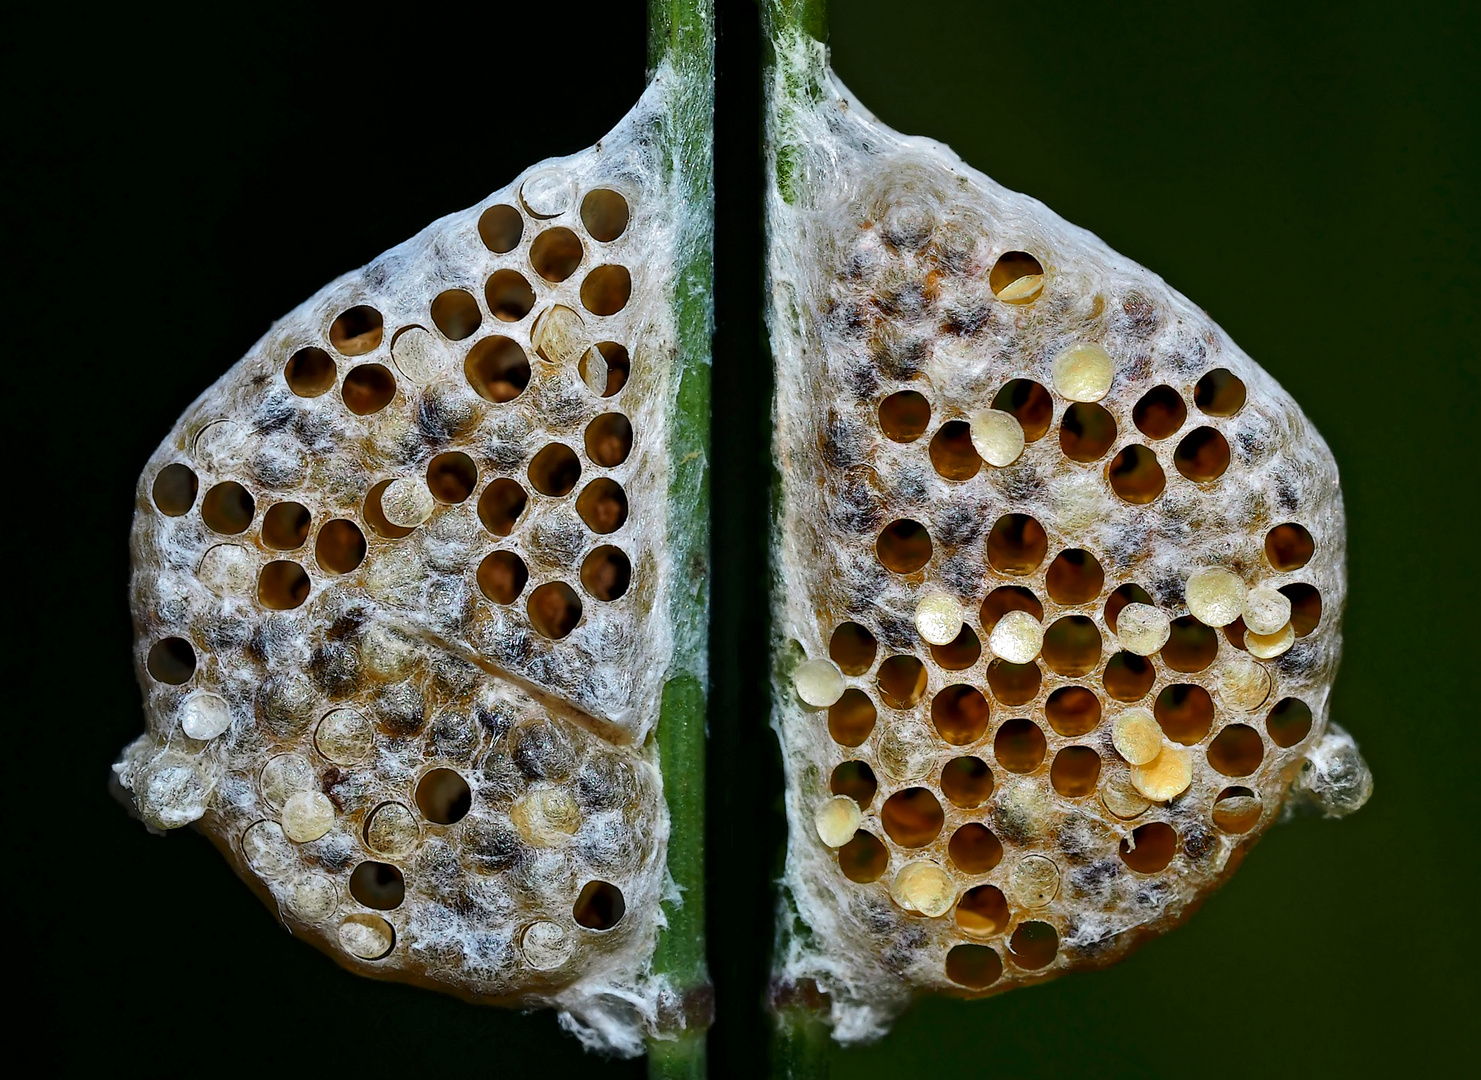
(681, 36)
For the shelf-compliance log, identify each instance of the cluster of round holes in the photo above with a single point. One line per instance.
(609, 439)
(599, 906)
(606, 572)
(497, 368)
(500, 228)
(502, 577)
(508, 295)
(340, 547)
(1014, 684)
(368, 389)
(1150, 847)
(1074, 577)
(904, 416)
(904, 546)
(1075, 771)
(357, 331)
(174, 490)
(951, 451)
(856, 780)
(1020, 746)
(310, 372)
(1135, 476)
(605, 289)
(282, 585)
(171, 660)
(554, 609)
(966, 782)
(912, 818)
(902, 682)
(1219, 393)
(1030, 404)
(1073, 711)
(1159, 413)
(1185, 712)
(500, 506)
(443, 796)
(378, 885)
(1072, 646)
(456, 314)
(960, 713)
(864, 858)
(228, 508)
(555, 254)
(973, 849)
(604, 212)
(285, 526)
(1086, 432)
(1202, 455)
(1289, 546)
(1017, 544)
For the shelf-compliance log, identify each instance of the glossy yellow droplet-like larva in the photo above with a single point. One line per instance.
(1215, 595)
(307, 815)
(1083, 372)
(1266, 610)
(1017, 638)
(819, 683)
(1269, 646)
(407, 504)
(924, 887)
(997, 436)
(1122, 799)
(204, 716)
(1242, 684)
(1034, 881)
(938, 618)
(837, 820)
(1137, 737)
(1165, 777)
(1142, 628)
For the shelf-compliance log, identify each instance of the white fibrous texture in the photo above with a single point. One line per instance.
(995, 436)
(401, 600)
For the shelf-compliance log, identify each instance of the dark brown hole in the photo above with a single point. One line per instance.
(509, 295)
(1086, 432)
(1020, 746)
(913, 817)
(1237, 810)
(497, 368)
(1236, 751)
(1017, 544)
(1289, 722)
(1072, 711)
(1010, 270)
(1014, 684)
(605, 289)
(375, 516)
(852, 648)
(357, 331)
(500, 506)
(1030, 403)
(1306, 607)
(1075, 771)
(1034, 945)
(1075, 577)
(609, 439)
(378, 885)
(960, 714)
(904, 546)
(555, 470)
(962, 652)
(174, 490)
(966, 782)
(1191, 646)
(171, 660)
(619, 366)
(1202, 456)
(604, 213)
(904, 416)
(856, 780)
(1135, 475)
(500, 228)
(1289, 546)
(1123, 595)
(1072, 646)
(310, 372)
(902, 681)
(1219, 393)
(600, 906)
(285, 526)
(282, 585)
(227, 508)
(1006, 598)
(1128, 677)
(851, 718)
(452, 477)
(554, 609)
(973, 966)
(555, 254)
(1159, 413)
(340, 547)
(456, 314)
(1150, 848)
(952, 454)
(443, 797)
(863, 859)
(1186, 713)
(368, 389)
(502, 576)
(974, 849)
(606, 572)
(982, 912)
(602, 504)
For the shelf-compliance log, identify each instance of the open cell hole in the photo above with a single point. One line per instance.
(1289, 546)
(1203, 455)
(1185, 713)
(902, 682)
(1128, 677)
(508, 295)
(982, 912)
(451, 477)
(1017, 544)
(973, 966)
(1020, 746)
(1236, 751)
(174, 490)
(904, 546)
(605, 289)
(1075, 771)
(851, 718)
(606, 572)
(973, 849)
(375, 514)
(852, 647)
(340, 547)
(604, 213)
(171, 660)
(1306, 607)
(357, 331)
(378, 885)
(500, 228)
(609, 439)
(555, 470)
(618, 367)
(1237, 810)
(498, 369)
(960, 653)
(502, 577)
(1191, 646)
(555, 254)
(600, 906)
(1074, 577)
(1016, 278)
(368, 389)
(1006, 598)
(1030, 404)
(1123, 595)
(904, 416)
(228, 508)
(1014, 684)
(1086, 432)
(1150, 847)
(500, 506)
(1219, 393)
(1034, 945)
(856, 780)
(282, 585)
(1289, 722)
(285, 526)
(864, 858)
(1135, 476)
(602, 504)
(1072, 646)
(554, 609)
(443, 797)
(952, 454)
(1160, 412)
(456, 314)
(960, 713)
(913, 817)
(1073, 711)
(310, 372)
(966, 782)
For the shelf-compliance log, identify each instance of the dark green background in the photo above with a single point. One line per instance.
(1306, 175)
